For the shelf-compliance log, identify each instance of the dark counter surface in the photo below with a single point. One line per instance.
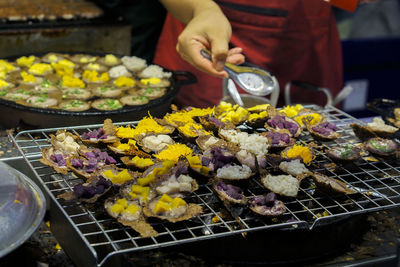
(377, 246)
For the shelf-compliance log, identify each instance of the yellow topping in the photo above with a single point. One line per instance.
(123, 202)
(291, 111)
(93, 76)
(111, 59)
(231, 113)
(142, 162)
(117, 208)
(142, 191)
(254, 116)
(6, 66)
(3, 84)
(93, 66)
(53, 58)
(40, 68)
(28, 78)
(132, 209)
(3, 74)
(195, 163)
(180, 118)
(312, 118)
(131, 145)
(149, 81)
(122, 206)
(299, 151)
(86, 59)
(72, 82)
(119, 178)
(259, 107)
(66, 64)
(174, 152)
(166, 166)
(145, 125)
(166, 203)
(25, 61)
(192, 130)
(124, 82)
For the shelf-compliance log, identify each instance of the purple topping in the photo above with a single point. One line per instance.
(324, 128)
(90, 155)
(103, 181)
(221, 157)
(59, 159)
(181, 170)
(279, 122)
(231, 190)
(95, 134)
(216, 122)
(100, 189)
(205, 161)
(82, 191)
(110, 160)
(277, 137)
(77, 163)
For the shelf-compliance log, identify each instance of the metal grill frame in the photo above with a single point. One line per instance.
(92, 238)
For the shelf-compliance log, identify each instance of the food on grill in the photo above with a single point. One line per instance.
(101, 135)
(137, 162)
(90, 162)
(284, 185)
(382, 147)
(257, 120)
(228, 113)
(117, 176)
(254, 143)
(54, 159)
(331, 185)
(155, 142)
(129, 213)
(206, 142)
(267, 205)
(216, 158)
(230, 193)
(234, 172)
(344, 153)
(88, 192)
(294, 168)
(278, 140)
(324, 131)
(171, 208)
(283, 124)
(376, 128)
(303, 152)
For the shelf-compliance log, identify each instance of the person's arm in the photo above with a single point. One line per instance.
(206, 27)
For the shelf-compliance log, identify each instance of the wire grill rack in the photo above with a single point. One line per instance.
(91, 237)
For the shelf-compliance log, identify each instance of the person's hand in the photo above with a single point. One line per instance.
(211, 30)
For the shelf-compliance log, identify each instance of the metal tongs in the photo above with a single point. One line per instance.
(253, 80)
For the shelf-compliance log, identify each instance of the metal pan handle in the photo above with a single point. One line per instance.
(184, 78)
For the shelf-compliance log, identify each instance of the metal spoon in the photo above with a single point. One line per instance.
(253, 80)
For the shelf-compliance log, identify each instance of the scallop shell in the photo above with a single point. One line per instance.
(329, 127)
(223, 191)
(331, 185)
(281, 123)
(267, 205)
(343, 154)
(382, 147)
(46, 153)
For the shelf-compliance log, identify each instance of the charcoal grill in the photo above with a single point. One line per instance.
(92, 238)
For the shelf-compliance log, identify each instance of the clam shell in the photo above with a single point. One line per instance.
(46, 153)
(259, 205)
(281, 126)
(342, 154)
(224, 196)
(382, 147)
(331, 185)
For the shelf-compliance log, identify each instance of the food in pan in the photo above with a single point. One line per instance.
(105, 83)
(42, 101)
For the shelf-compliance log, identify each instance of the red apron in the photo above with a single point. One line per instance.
(292, 39)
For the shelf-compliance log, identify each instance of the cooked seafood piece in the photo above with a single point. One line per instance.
(129, 213)
(331, 185)
(344, 153)
(376, 128)
(83, 59)
(195, 164)
(134, 100)
(213, 124)
(55, 159)
(228, 113)
(278, 140)
(309, 117)
(176, 183)
(288, 125)
(133, 63)
(171, 208)
(267, 205)
(52, 57)
(155, 142)
(46, 86)
(295, 168)
(107, 104)
(117, 176)
(76, 93)
(382, 147)
(88, 192)
(192, 130)
(107, 91)
(206, 142)
(74, 105)
(130, 148)
(137, 162)
(324, 131)
(155, 172)
(152, 92)
(234, 172)
(42, 101)
(230, 193)
(109, 60)
(119, 71)
(65, 142)
(284, 185)
(19, 94)
(255, 143)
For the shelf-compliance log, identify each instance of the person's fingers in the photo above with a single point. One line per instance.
(235, 59)
(235, 50)
(219, 52)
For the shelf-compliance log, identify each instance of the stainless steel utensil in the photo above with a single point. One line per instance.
(233, 92)
(22, 208)
(253, 80)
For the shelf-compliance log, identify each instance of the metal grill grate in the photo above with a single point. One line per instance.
(102, 237)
